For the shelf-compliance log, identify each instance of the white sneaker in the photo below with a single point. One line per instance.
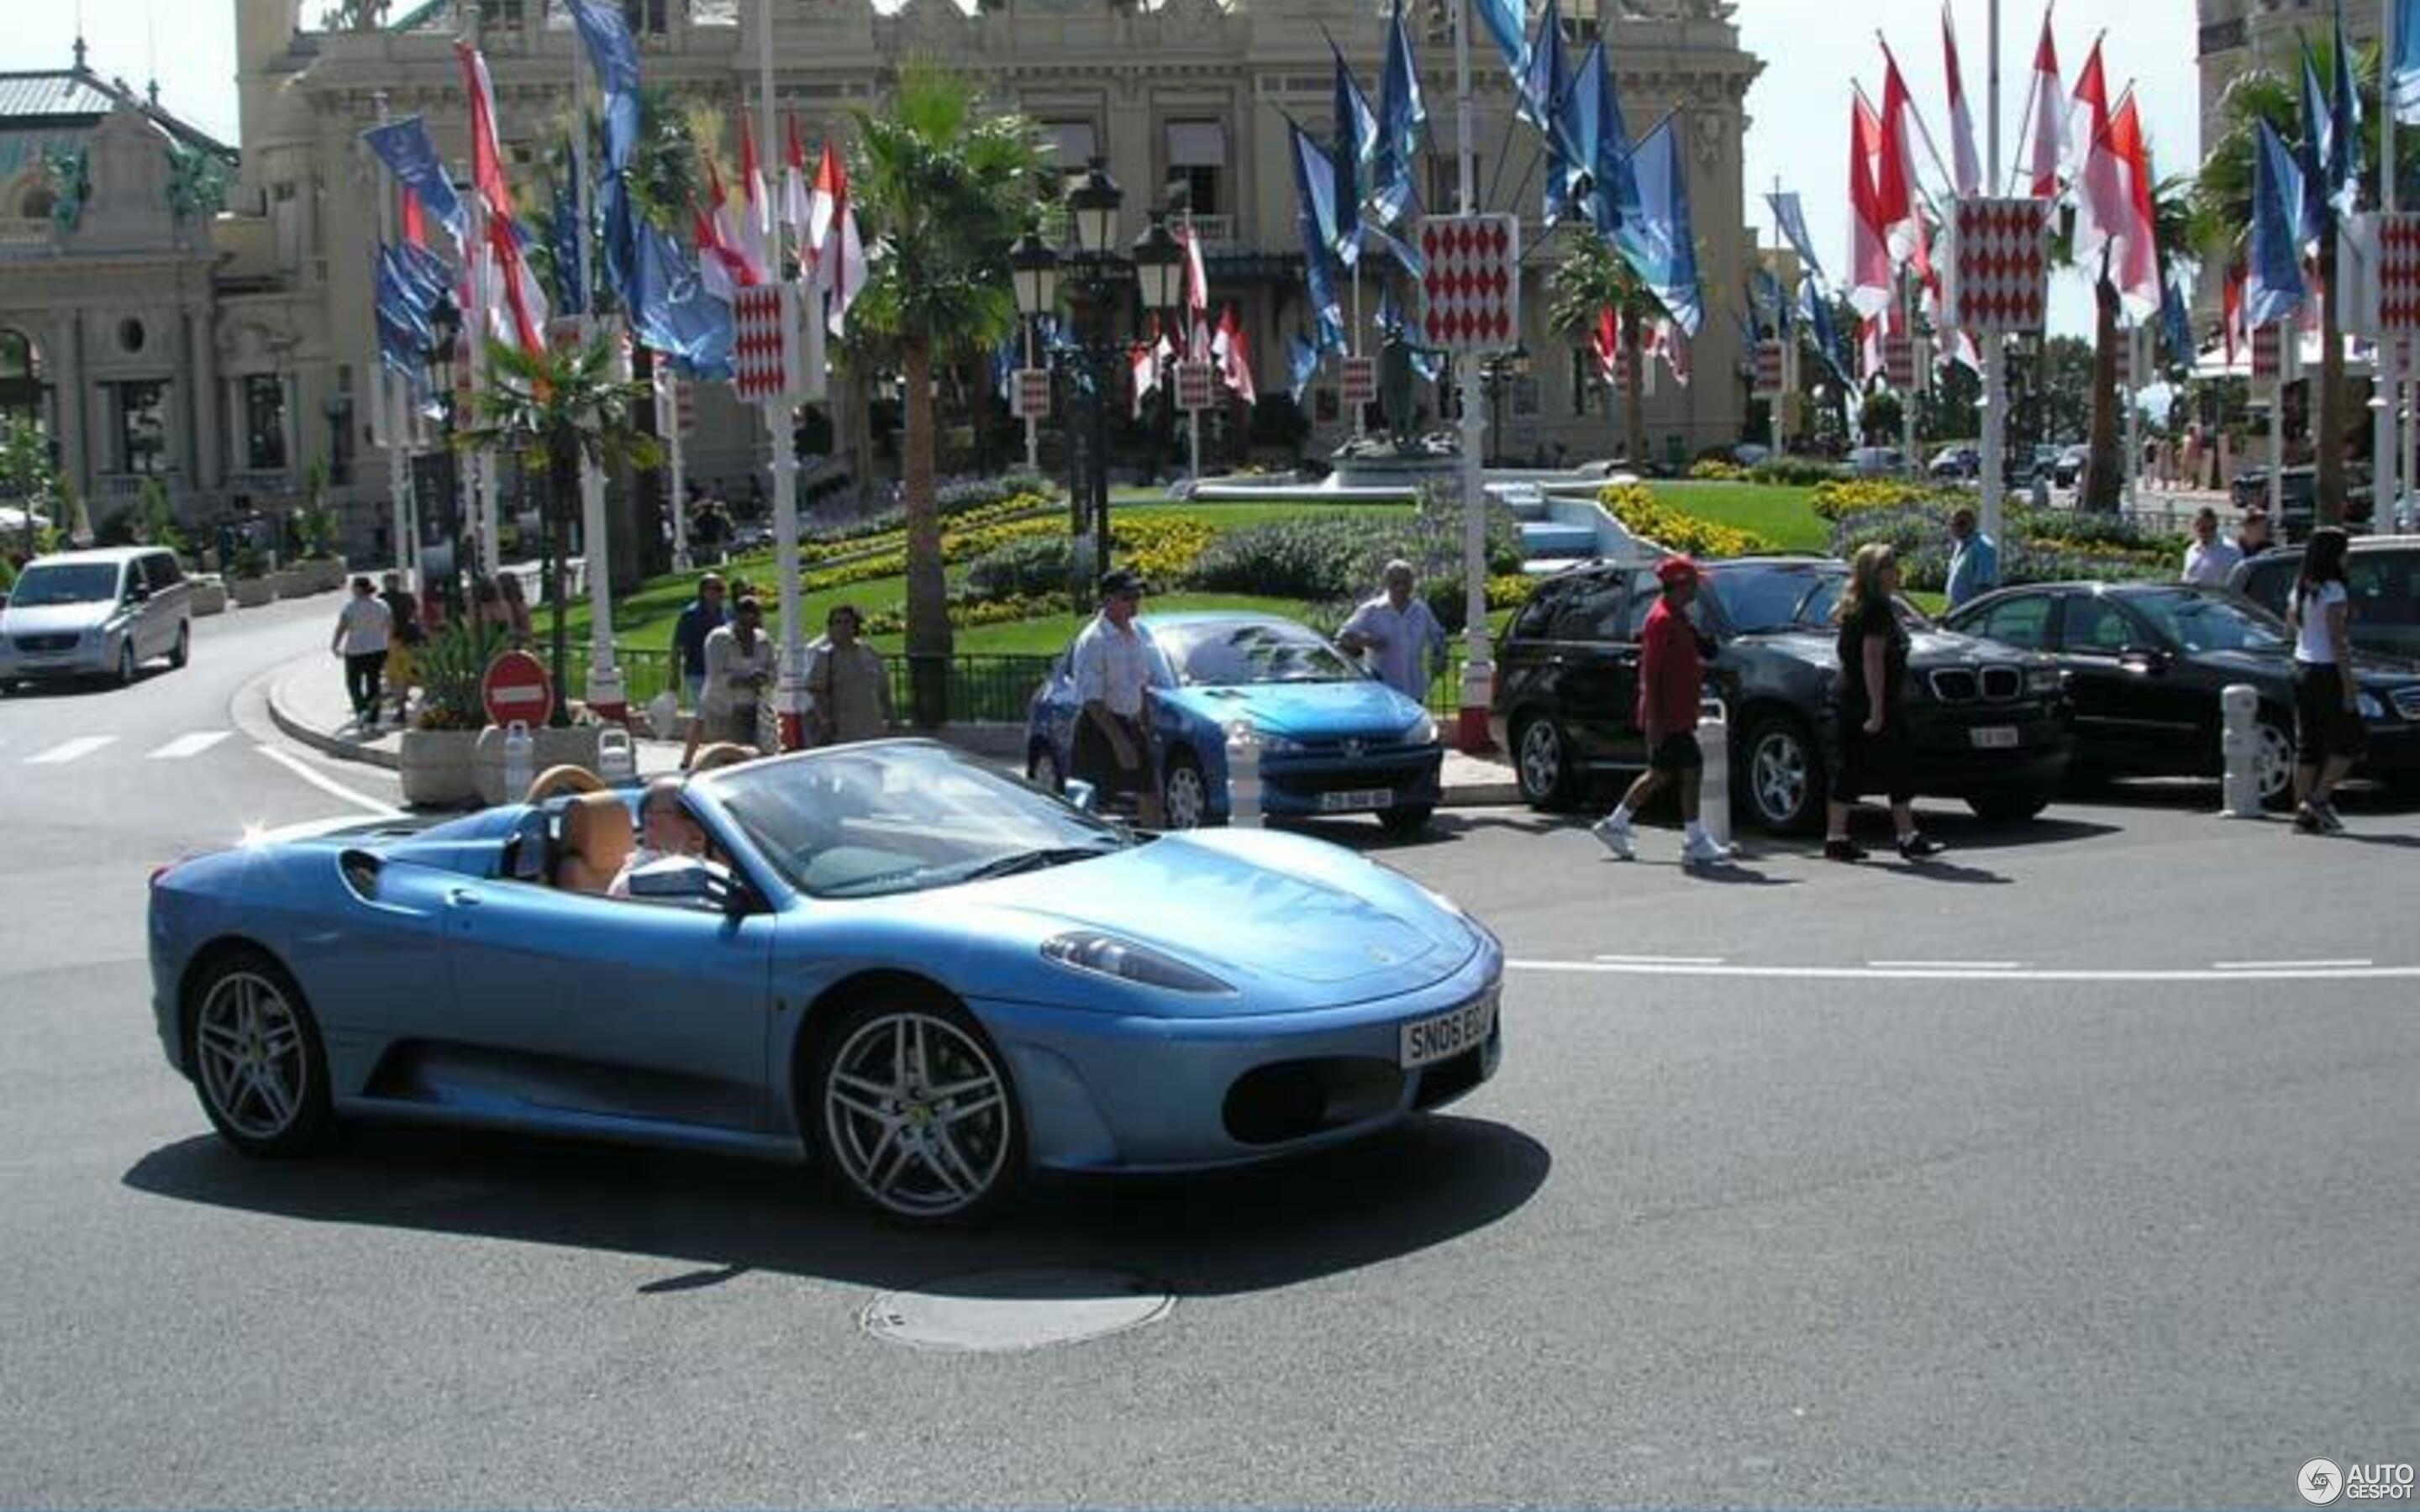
(1707, 851)
(1614, 834)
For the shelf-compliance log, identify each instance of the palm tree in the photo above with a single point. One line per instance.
(942, 192)
(1592, 278)
(2220, 217)
(2171, 234)
(551, 409)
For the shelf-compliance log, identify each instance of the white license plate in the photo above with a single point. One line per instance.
(1358, 800)
(1993, 736)
(1449, 1034)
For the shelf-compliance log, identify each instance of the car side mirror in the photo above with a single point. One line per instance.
(137, 593)
(2147, 663)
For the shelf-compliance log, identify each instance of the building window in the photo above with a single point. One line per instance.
(130, 335)
(1073, 144)
(645, 17)
(141, 426)
(1197, 162)
(501, 14)
(264, 422)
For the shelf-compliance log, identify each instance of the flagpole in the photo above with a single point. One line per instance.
(2132, 389)
(2391, 479)
(790, 688)
(1478, 667)
(605, 695)
(1193, 417)
(667, 384)
(395, 403)
(489, 543)
(1995, 377)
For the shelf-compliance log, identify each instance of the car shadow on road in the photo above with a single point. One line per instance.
(1433, 1180)
(1446, 826)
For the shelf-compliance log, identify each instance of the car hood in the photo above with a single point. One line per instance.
(1926, 648)
(1257, 908)
(1304, 711)
(53, 618)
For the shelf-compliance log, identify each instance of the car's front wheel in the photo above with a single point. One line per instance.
(1184, 793)
(183, 652)
(259, 1062)
(1542, 763)
(920, 1120)
(1783, 775)
(2273, 761)
(126, 660)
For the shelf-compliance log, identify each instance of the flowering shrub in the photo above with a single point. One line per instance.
(1919, 534)
(888, 533)
(1793, 472)
(1643, 515)
(1715, 470)
(1837, 496)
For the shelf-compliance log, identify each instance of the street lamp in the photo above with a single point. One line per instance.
(446, 328)
(1159, 277)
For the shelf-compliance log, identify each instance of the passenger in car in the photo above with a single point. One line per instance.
(665, 830)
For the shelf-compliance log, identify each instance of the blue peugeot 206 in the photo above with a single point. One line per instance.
(1333, 739)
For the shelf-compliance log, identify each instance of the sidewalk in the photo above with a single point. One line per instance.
(306, 700)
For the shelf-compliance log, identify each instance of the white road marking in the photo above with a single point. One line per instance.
(188, 746)
(1949, 966)
(69, 750)
(2289, 965)
(1663, 960)
(2274, 973)
(329, 784)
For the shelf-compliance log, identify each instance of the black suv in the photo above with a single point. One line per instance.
(1988, 723)
(2383, 572)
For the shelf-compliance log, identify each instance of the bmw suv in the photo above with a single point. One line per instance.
(1988, 723)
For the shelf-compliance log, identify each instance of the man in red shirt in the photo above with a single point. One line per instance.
(1671, 673)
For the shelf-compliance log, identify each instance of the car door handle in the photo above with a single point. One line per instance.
(463, 898)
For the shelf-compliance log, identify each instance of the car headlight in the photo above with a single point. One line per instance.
(1422, 732)
(2042, 679)
(2370, 706)
(1108, 955)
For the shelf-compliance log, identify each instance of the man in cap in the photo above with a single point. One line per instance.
(1672, 676)
(1113, 669)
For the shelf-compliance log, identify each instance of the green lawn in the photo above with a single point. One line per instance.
(1782, 515)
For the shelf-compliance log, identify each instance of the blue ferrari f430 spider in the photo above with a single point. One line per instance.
(931, 978)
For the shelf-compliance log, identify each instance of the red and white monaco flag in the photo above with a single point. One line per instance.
(831, 226)
(2088, 113)
(2048, 128)
(1895, 170)
(1962, 120)
(1869, 263)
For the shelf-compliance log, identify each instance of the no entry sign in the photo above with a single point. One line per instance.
(515, 687)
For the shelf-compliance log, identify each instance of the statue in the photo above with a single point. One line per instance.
(1398, 356)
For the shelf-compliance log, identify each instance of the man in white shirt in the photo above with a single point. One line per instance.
(1113, 671)
(362, 626)
(1402, 639)
(665, 830)
(2210, 558)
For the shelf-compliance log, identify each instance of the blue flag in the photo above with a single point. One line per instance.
(1502, 18)
(404, 147)
(2176, 327)
(1315, 187)
(2273, 289)
(1302, 363)
(615, 59)
(404, 337)
(1772, 301)
(1660, 243)
(2403, 83)
(1355, 151)
(1546, 80)
(563, 248)
(1393, 192)
(672, 312)
(1815, 310)
(2313, 152)
(1791, 215)
(2344, 128)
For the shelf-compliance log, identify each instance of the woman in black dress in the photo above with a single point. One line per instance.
(1872, 726)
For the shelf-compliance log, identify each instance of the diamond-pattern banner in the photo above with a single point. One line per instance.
(1361, 380)
(2398, 274)
(1030, 394)
(1197, 387)
(764, 347)
(1768, 369)
(1999, 266)
(2264, 354)
(1898, 362)
(1470, 289)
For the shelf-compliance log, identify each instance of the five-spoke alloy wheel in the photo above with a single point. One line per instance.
(919, 1115)
(256, 1058)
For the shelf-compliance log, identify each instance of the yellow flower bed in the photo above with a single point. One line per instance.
(1511, 590)
(1846, 496)
(1162, 548)
(895, 540)
(1643, 514)
(1715, 470)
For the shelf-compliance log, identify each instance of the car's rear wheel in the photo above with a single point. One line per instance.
(183, 651)
(1184, 793)
(1042, 769)
(1782, 775)
(1542, 763)
(2273, 761)
(919, 1118)
(2008, 806)
(259, 1062)
(126, 660)
(1408, 819)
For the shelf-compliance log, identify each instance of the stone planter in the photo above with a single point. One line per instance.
(289, 583)
(208, 598)
(576, 744)
(326, 574)
(252, 593)
(436, 767)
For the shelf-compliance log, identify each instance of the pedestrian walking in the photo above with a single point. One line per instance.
(2208, 556)
(1974, 558)
(403, 639)
(739, 666)
(1113, 671)
(1872, 724)
(2328, 736)
(847, 681)
(362, 634)
(1398, 633)
(515, 606)
(1671, 679)
(698, 618)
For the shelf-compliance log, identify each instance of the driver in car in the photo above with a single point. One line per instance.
(665, 830)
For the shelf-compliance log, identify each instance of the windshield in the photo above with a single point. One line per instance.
(2206, 622)
(1229, 652)
(1797, 595)
(884, 819)
(77, 582)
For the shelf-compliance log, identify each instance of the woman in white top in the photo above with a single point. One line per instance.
(738, 665)
(2327, 713)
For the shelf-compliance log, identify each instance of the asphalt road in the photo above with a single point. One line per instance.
(2086, 1194)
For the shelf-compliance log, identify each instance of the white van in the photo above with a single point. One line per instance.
(84, 612)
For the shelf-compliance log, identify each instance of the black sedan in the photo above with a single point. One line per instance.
(2147, 661)
(1988, 723)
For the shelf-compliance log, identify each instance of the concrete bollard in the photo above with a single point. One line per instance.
(1243, 773)
(615, 761)
(2239, 746)
(1715, 788)
(520, 760)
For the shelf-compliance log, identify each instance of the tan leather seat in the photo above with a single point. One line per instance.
(597, 840)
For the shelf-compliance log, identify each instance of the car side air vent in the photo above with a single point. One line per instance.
(361, 871)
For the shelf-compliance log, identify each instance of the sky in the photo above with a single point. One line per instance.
(1811, 50)
(1799, 109)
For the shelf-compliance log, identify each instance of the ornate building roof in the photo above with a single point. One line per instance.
(58, 104)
